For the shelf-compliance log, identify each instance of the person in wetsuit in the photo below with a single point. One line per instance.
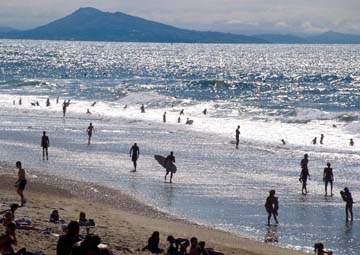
(169, 158)
(347, 197)
(272, 206)
(304, 174)
(237, 137)
(328, 177)
(89, 131)
(45, 143)
(134, 154)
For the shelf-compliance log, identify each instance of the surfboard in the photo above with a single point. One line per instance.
(170, 167)
(343, 196)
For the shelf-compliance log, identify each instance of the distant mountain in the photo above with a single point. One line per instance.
(335, 38)
(6, 29)
(283, 39)
(90, 24)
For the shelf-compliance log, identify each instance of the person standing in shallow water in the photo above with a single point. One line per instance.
(304, 174)
(272, 206)
(347, 197)
(164, 117)
(328, 177)
(90, 130)
(237, 137)
(21, 183)
(321, 138)
(134, 154)
(169, 159)
(45, 143)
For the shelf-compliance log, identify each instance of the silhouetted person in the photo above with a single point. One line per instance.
(153, 243)
(177, 246)
(164, 117)
(134, 154)
(125, 106)
(271, 202)
(328, 177)
(179, 119)
(351, 142)
(182, 112)
(304, 174)
(169, 159)
(194, 247)
(21, 183)
(283, 141)
(93, 104)
(347, 197)
(321, 138)
(208, 251)
(66, 242)
(64, 108)
(319, 249)
(20, 101)
(48, 102)
(90, 131)
(314, 141)
(88, 111)
(37, 103)
(237, 136)
(205, 111)
(13, 102)
(45, 143)
(57, 100)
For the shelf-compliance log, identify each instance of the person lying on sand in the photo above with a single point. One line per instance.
(208, 251)
(91, 245)
(177, 246)
(153, 243)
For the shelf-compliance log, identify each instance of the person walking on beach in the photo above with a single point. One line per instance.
(134, 154)
(45, 143)
(169, 159)
(89, 131)
(328, 177)
(164, 117)
(347, 197)
(272, 206)
(47, 102)
(21, 183)
(304, 174)
(237, 137)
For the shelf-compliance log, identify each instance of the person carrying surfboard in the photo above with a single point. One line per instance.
(169, 160)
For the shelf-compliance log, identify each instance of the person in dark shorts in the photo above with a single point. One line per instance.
(45, 143)
(134, 154)
(90, 131)
(328, 177)
(237, 137)
(270, 205)
(21, 183)
(169, 158)
(347, 197)
(304, 174)
(142, 108)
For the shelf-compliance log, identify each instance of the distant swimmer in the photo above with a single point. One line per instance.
(334, 126)
(169, 159)
(90, 131)
(272, 206)
(304, 174)
(142, 108)
(189, 122)
(328, 177)
(237, 136)
(347, 197)
(182, 112)
(164, 117)
(134, 154)
(93, 104)
(179, 119)
(88, 111)
(21, 183)
(20, 101)
(33, 104)
(125, 106)
(314, 141)
(283, 141)
(205, 111)
(321, 138)
(351, 142)
(47, 102)
(45, 144)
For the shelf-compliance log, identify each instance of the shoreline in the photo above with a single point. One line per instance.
(117, 215)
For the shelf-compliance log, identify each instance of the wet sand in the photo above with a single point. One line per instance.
(121, 221)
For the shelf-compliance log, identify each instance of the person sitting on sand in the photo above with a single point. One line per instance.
(82, 219)
(319, 249)
(328, 177)
(194, 247)
(270, 205)
(153, 243)
(177, 246)
(208, 251)
(189, 121)
(55, 217)
(21, 183)
(91, 245)
(90, 131)
(9, 214)
(8, 239)
(351, 142)
(66, 242)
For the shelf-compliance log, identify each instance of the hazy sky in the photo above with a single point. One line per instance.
(242, 16)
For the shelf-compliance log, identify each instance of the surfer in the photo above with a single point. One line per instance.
(90, 130)
(347, 197)
(314, 141)
(142, 108)
(47, 102)
(45, 143)
(328, 177)
(21, 183)
(134, 154)
(205, 111)
(321, 138)
(272, 206)
(304, 173)
(351, 142)
(93, 104)
(164, 117)
(169, 160)
(237, 136)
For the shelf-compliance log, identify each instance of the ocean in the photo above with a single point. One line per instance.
(274, 92)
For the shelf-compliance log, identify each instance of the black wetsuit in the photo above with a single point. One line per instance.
(134, 153)
(45, 143)
(237, 136)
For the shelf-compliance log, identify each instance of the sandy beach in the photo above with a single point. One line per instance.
(122, 222)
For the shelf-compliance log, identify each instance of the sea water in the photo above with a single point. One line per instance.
(274, 92)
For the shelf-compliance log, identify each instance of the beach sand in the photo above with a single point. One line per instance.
(121, 221)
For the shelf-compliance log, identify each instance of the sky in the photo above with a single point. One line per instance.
(237, 16)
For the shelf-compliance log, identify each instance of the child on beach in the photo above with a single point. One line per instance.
(319, 249)
(21, 183)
